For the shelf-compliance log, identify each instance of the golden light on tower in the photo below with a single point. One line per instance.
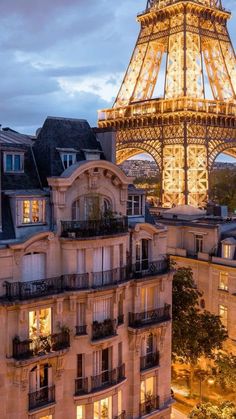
(184, 131)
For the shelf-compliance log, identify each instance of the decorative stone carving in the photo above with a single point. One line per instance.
(18, 254)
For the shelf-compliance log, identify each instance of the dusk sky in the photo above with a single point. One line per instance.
(65, 57)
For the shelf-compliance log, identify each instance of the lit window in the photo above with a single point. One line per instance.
(223, 282)
(119, 402)
(146, 389)
(31, 211)
(46, 417)
(68, 159)
(80, 412)
(14, 162)
(103, 409)
(223, 313)
(227, 251)
(198, 243)
(134, 205)
(39, 323)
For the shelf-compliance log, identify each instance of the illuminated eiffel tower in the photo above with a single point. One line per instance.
(183, 130)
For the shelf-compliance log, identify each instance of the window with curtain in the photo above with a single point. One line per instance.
(102, 309)
(39, 323)
(102, 409)
(146, 389)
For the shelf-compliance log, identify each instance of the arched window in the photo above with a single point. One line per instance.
(107, 208)
(75, 211)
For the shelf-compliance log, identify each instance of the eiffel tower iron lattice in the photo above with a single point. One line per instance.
(183, 130)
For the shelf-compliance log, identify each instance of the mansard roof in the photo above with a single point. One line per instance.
(61, 133)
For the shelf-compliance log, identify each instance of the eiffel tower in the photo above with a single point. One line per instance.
(194, 120)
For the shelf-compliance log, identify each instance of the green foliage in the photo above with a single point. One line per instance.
(195, 333)
(226, 410)
(226, 370)
(222, 187)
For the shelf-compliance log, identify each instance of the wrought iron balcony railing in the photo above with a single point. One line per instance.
(108, 378)
(81, 386)
(148, 268)
(93, 228)
(155, 316)
(81, 330)
(149, 361)
(149, 405)
(42, 397)
(42, 287)
(41, 345)
(102, 330)
(111, 277)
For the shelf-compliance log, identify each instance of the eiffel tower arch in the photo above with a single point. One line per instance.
(184, 130)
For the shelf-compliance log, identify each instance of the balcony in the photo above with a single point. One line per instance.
(111, 277)
(108, 378)
(155, 316)
(94, 228)
(149, 361)
(81, 330)
(103, 330)
(43, 287)
(147, 268)
(40, 346)
(42, 397)
(151, 404)
(81, 386)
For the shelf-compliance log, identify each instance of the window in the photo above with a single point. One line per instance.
(223, 313)
(31, 211)
(146, 389)
(80, 412)
(68, 159)
(102, 363)
(106, 206)
(120, 354)
(39, 323)
(198, 243)
(46, 417)
(75, 211)
(119, 402)
(40, 377)
(81, 314)
(142, 255)
(92, 208)
(223, 282)
(149, 344)
(134, 205)
(80, 365)
(103, 409)
(13, 162)
(148, 298)
(102, 309)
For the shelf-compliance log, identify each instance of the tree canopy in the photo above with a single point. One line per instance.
(195, 333)
(222, 187)
(226, 370)
(226, 410)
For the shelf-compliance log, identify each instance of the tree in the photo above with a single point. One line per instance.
(196, 334)
(222, 187)
(226, 370)
(226, 410)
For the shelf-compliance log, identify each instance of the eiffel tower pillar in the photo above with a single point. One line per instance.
(183, 130)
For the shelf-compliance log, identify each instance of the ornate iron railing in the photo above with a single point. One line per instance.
(93, 228)
(39, 346)
(149, 361)
(141, 270)
(42, 287)
(81, 330)
(108, 378)
(157, 315)
(102, 330)
(111, 277)
(41, 397)
(162, 106)
(81, 386)
(149, 405)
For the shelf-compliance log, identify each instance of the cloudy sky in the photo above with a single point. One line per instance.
(65, 57)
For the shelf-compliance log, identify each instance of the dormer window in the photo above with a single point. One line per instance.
(228, 248)
(30, 211)
(13, 162)
(134, 205)
(68, 159)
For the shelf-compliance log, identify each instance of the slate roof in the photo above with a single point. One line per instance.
(61, 133)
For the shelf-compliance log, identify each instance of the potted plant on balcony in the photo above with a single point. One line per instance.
(148, 402)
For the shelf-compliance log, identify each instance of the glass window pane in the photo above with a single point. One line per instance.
(35, 212)
(9, 163)
(26, 212)
(17, 162)
(80, 412)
